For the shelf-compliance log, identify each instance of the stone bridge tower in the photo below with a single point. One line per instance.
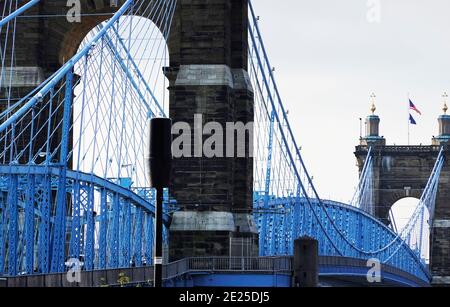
(207, 76)
(403, 171)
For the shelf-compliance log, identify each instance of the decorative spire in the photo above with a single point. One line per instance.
(373, 108)
(445, 108)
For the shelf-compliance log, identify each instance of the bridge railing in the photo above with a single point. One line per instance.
(328, 266)
(274, 264)
(228, 264)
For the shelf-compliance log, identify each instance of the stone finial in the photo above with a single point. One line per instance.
(373, 108)
(445, 108)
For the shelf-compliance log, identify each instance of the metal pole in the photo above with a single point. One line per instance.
(158, 239)
(409, 121)
(360, 128)
(160, 162)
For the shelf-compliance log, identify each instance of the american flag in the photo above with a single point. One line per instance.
(413, 107)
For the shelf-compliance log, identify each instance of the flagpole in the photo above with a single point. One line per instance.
(409, 121)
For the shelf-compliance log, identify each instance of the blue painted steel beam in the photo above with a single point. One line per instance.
(13, 226)
(76, 223)
(59, 237)
(18, 12)
(29, 224)
(138, 237)
(115, 242)
(44, 227)
(103, 229)
(90, 229)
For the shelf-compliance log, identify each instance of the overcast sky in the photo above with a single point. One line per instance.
(329, 57)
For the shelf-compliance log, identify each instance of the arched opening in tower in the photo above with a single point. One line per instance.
(412, 221)
(121, 85)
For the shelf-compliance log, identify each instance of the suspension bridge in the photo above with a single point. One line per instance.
(76, 100)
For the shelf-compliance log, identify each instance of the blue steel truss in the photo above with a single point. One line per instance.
(293, 218)
(287, 205)
(73, 180)
(73, 183)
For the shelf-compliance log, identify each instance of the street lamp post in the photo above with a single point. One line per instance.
(160, 162)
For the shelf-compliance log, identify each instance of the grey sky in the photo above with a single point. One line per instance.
(328, 60)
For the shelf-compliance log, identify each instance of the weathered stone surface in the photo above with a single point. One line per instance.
(23, 76)
(442, 223)
(204, 75)
(202, 221)
(441, 280)
(245, 223)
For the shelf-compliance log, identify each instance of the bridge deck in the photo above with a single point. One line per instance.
(336, 270)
